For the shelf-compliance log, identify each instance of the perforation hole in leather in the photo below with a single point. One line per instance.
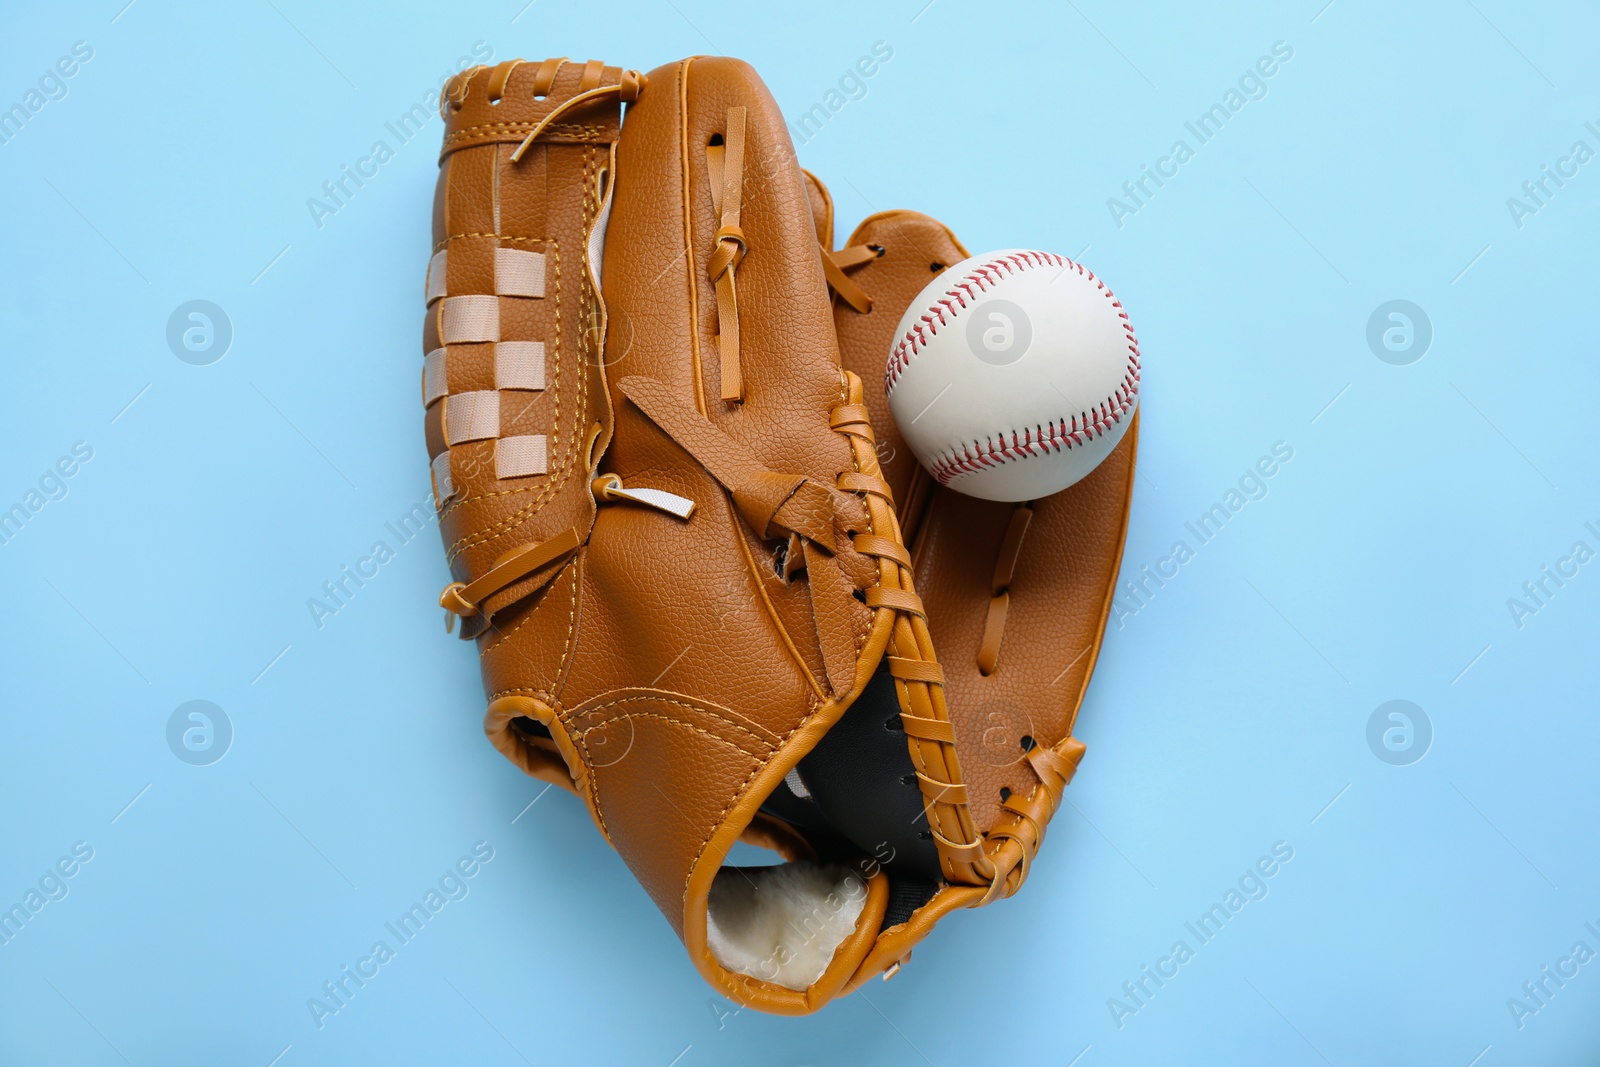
(936, 266)
(1028, 743)
(716, 139)
(1005, 793)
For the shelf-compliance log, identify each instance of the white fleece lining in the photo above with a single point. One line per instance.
(783, 923)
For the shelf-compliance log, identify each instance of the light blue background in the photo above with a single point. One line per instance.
(1226, 715)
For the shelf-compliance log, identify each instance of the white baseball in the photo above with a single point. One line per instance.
(1013, 374)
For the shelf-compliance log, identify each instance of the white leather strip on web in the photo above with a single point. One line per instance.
(435, 283)
(518, 273)
(519, 365)
(466, 319)
(442, 488)
(471, 416)
(519, 457)
(434, 382)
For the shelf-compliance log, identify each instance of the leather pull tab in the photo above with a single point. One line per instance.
(608, 488)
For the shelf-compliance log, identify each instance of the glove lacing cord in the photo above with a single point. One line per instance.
(626, 91)
(726, 163)
(1009, 848)
(919, 682)
(834, 265)
(465, 598)
(859, 502)
(1014, 842)
(1005, 565)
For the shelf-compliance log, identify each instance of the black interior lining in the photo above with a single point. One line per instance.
(862, 781)
(906, 895)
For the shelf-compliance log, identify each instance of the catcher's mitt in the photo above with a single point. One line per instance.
(662, 501)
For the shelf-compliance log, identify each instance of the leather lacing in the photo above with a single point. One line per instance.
(1015, 842)
(726, 164)
(625, 91)
(465, 598)
(834, 265)
(775, 505)
(919, 682)
(1005, 565)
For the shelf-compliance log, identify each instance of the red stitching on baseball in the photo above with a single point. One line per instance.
(1040, 440)
(983, 276)
(1008, 445)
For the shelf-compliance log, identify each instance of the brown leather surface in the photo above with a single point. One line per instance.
(485, 202)
(746, 695)
(1064, 574)
(681, 606)
(681, 666)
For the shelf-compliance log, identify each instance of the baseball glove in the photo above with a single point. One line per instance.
(676, 548)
